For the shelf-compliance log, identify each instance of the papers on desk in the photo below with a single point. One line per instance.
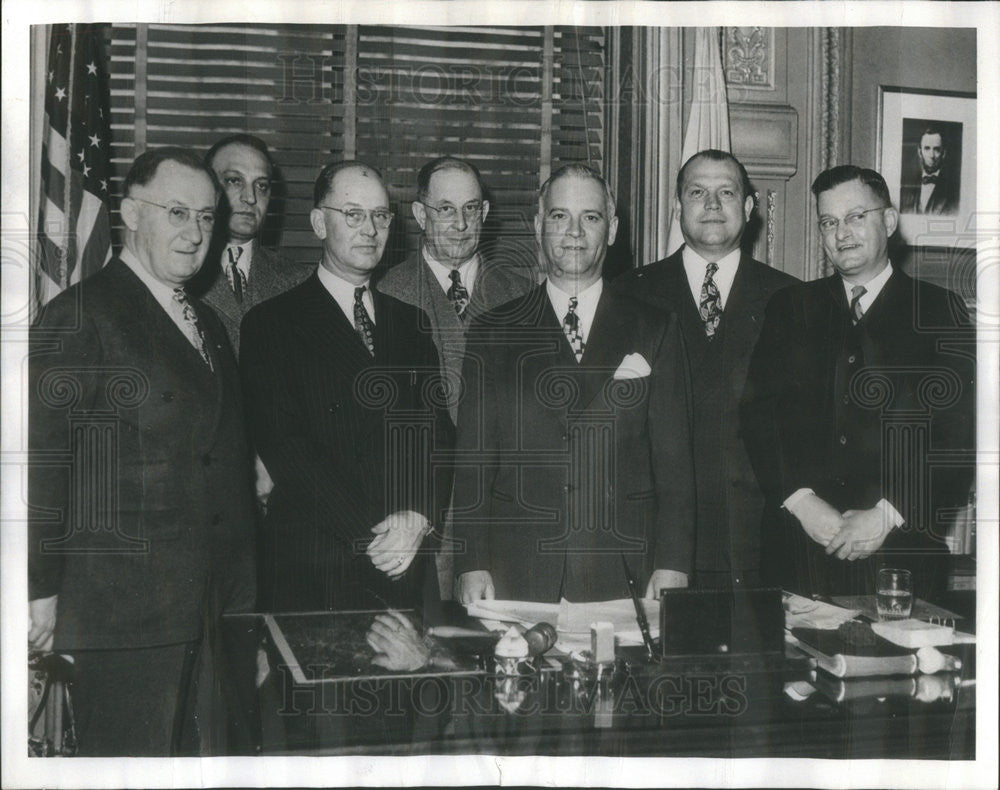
(806, 613)
(573, 620)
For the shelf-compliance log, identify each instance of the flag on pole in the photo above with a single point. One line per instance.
(708, 124)
(74, 229)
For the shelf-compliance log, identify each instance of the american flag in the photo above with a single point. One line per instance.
(74, 224)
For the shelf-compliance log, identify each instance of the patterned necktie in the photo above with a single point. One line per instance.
(571, 326)
(363, 322)
(856, 293)
(457, 295)
(194, 333)
(237, 279)
(710, 305)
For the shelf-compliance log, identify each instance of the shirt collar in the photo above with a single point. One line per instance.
(695, 266)
(872, 288)
(343, 292)
(467, 271)
(246, 257)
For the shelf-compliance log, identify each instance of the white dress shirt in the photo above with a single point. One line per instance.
(467, 271)
(343, 293)
(586, 304)
(245, 259)
(695, 266)
(872, 288)
(163, 294)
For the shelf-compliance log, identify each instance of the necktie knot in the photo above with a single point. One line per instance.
(857, 292)
(710, 302)
(362, 321)
(571, 328)
(458, 295)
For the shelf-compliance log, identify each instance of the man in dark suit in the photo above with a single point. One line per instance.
(246, 273)
(936, 191)
(574, 443)
(346, 407)
(718, 294)
(450, 280)
(859, 408)
(140, 470)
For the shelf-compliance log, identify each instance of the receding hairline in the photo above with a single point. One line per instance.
(363, 170)
(585, 174)
(248, 147)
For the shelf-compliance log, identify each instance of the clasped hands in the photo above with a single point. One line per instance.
(477, 585)
(397, 538)
(851, 535)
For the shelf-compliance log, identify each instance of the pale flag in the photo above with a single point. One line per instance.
(708, 125)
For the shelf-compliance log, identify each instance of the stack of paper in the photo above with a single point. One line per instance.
(806, 613)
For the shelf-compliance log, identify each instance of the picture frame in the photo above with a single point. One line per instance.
(927, 155)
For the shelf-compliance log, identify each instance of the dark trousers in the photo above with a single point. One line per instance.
(135, 703)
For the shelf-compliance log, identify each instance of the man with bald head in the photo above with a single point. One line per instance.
(718, 293)
(140, 463)
(573, 435)
(345, 402)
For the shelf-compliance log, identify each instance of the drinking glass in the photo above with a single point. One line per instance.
(894, 594)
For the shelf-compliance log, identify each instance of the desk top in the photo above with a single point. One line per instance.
(328, 699)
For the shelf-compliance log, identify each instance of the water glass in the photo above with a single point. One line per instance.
(894, 594)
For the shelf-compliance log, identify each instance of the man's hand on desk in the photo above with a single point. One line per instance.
(42, 616)
(863, 533)
(820, 521)
(474, 586)
(664, 580)
(397, 538)
(397, 644)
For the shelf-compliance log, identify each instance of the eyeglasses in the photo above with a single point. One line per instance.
(448, 212)
(853, 220)
(355, 216)
(179, 216)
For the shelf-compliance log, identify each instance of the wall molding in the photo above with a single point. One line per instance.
(765, 138)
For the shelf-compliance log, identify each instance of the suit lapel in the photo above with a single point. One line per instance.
(744, 311)
(609, 335)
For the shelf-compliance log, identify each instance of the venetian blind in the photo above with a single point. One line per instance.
(516, 101)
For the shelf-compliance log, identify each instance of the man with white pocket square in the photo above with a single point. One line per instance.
(574, 438)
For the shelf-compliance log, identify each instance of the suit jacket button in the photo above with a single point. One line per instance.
(851, 359)
(167, 396)
(843, 439)
(565, 437)
(206, 460)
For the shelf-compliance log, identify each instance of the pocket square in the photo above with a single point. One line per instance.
(633, 366)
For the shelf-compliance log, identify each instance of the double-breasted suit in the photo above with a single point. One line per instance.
(413, 282)
(140, 477)
(347, 439)
(858, 413)
(730, 502)
(561, 466)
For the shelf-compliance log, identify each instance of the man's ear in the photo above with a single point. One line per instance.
(538, 229)
(748, 207)
(419, 213)
(486, 209)
(130, 213)
(612, 230)
(318, 225)
(890, 217)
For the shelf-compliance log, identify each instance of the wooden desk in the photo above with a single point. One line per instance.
(682, 707)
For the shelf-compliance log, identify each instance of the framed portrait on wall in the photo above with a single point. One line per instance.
(927, 154)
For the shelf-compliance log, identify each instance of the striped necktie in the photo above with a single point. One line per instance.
(856, 293)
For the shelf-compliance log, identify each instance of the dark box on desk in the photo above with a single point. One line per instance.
(721, 622)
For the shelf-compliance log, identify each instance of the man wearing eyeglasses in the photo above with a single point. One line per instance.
(859, 408)
(139, 471)
(574, 445)
(345, 402)
(450, 279)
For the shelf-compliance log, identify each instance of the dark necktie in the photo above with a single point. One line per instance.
(929, 180)
(457, 295)
(857, 292)
(194, 333)
(571, 326)
(237, 279)
(363, 322)
(710, 305)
